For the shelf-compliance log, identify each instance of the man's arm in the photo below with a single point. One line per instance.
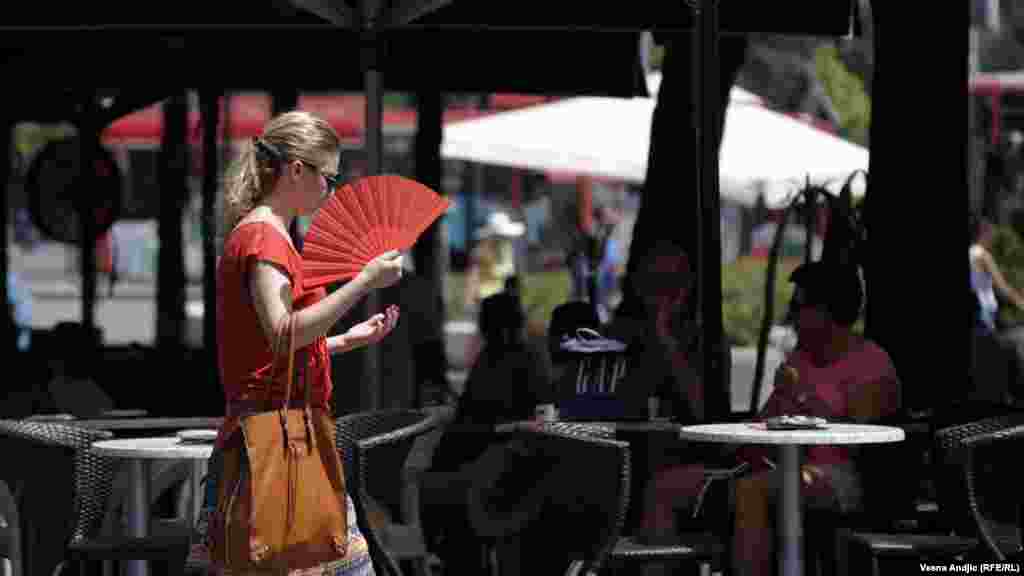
(878, 398)
(794, 396)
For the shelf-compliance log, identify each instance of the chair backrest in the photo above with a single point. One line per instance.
(949, 456)
(374, 447)
(587, 430)
(887, 494)
(51, 468)
(397, 429)
(586, 484)
(993, 496)
(10, 533)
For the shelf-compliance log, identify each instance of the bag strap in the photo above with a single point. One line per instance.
(285, 332)
(286, 337)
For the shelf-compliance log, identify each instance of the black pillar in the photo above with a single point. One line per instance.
(903, 267)
(429, 132)
(6, 315)
(89, 142)
(210, 104)
(471, 188)
(285, 100)
(173, 195)
(427, 251)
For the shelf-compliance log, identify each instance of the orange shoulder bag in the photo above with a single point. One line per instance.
(281, 498)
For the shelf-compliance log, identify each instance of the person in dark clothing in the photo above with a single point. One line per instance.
(506, 384)
(650, 320)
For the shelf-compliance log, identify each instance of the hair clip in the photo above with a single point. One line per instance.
(267, 148)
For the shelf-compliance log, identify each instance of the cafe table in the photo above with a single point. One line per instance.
(138, 455)
(612, 426)
(790, 443)
(162, 424)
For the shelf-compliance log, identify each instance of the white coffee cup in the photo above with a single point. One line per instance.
(546, 412)
(653, 407)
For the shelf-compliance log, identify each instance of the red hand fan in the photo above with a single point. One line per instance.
(361, 221)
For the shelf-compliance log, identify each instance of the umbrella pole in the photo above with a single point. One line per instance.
(374, 152)
(709, 254)
(7, 142)
(810, 220)
(210, 105)
(87, 229)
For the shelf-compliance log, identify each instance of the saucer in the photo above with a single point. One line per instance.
(197, 436)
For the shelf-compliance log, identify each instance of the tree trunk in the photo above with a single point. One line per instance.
(902, 272)
(670, 205)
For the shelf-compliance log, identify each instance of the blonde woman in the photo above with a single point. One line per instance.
(285, 173)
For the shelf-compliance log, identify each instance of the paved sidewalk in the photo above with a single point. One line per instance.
(65, 288)
(50, 270)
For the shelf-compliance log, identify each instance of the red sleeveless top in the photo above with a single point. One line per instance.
(244, 352)
(834, 384)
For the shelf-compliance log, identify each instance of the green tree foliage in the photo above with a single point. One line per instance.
(743, 284)
(29, 138)
(1008, 252)
(657, 56)
(846, 90)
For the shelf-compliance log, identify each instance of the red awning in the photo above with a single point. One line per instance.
(994, 83)
(249, 113)
(507, 101)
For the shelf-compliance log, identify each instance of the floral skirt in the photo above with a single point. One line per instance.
(356, 563)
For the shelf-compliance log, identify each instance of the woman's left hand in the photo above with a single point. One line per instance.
(373, 330)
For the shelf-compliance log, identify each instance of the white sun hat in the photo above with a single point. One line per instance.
(499, 224)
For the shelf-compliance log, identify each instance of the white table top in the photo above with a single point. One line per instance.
(152, 449)
(757, 433)
(147, 423)
(635, 426)
(657, 425)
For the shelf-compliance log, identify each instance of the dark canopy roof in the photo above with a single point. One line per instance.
(819, 18)
(447, 45)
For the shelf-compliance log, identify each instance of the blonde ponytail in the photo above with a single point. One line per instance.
(246, 180)
(250, 177)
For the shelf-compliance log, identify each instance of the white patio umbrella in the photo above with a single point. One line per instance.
(762, 150)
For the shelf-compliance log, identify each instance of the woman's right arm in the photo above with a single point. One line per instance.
(272, 294)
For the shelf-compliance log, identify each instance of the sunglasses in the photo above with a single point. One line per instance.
(333, 180)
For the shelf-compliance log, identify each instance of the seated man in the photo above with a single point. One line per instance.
(506, 384)
(649, 321)
(833, 374)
